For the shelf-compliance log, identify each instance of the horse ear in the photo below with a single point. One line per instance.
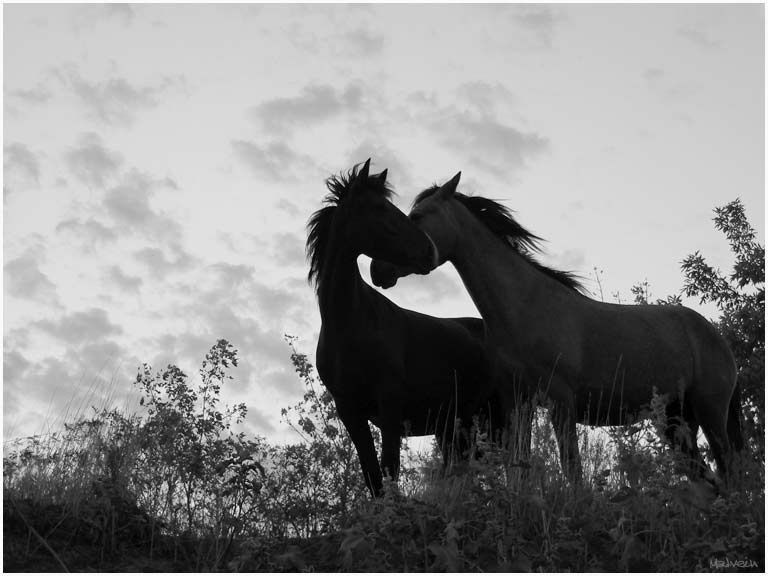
(382, 176)
(449, 188)
(363, 174)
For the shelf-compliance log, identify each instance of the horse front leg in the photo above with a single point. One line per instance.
(360, 434)
(390, 444)
(564, 423)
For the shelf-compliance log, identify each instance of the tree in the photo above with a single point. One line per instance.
(740, 298)
(195, 473)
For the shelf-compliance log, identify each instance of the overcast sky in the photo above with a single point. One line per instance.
(160, 164)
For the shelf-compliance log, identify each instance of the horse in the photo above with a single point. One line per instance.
(597, 363)
(405, 372)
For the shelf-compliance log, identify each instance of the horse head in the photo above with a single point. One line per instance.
(374, 226)
(431, 214)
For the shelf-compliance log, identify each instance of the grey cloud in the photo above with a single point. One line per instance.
(14, 365)
(262, 349)
(362, 42)
(100, 354)
(535, 23)
(237, 284)
(275, 160)
(698, 37)
(128, 205)
(116, 100)
(257, 421)
(21, 167)
(382, 157)
(489, 143)
(37, 95)
(232, 276)
(275, 302)
(288, 249)
(652, 74)
(315, 104)
(24, 279)
(91, 232)
(91, 15)
(288, 207)
(125, 282)
(476, 128)
(87, 376)
(539, 19)
(158, 263)
(485, 97)
(91, 162)
(91, 325)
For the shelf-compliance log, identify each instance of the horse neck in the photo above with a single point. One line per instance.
(342, 294)
(508, 291)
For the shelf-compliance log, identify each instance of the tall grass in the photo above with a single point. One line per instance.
(174, 489)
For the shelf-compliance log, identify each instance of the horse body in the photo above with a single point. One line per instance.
(399, 369)
(598, 363)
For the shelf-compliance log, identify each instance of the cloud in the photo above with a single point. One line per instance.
(124, 282)
(288, 207)
(476, 127)
(116, 100)
(485, 98)
(699, 37)
(14, 365)
(90, 232)
(237, 284)
(78, 328)
(288, 249)
(21, 168)
(91, 162)
(653, 74)
(540, 20)
(23, 278)
(39, 94)
(363, 43)
(489, 143)
(315, 104)
(522, 26)
(158, 263)
(275, 161)
(128, 204)
(89, 16)
(382, 157)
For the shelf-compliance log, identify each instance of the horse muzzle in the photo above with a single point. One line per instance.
(383, 274)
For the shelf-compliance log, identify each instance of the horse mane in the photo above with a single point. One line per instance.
(321, 222)
(499, 220)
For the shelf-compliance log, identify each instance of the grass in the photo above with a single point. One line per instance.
(67, 508)
(175, 490)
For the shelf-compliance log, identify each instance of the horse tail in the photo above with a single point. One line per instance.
(735, 437)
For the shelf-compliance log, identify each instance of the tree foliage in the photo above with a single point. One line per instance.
(740, 298)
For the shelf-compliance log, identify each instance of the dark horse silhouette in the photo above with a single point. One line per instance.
(598, 363)
(406, 372)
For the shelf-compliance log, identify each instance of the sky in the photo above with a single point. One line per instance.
(160, 163)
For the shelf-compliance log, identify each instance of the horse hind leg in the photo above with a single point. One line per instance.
(735, 435)
(711, 412)
(681, 432)
(565, 429)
